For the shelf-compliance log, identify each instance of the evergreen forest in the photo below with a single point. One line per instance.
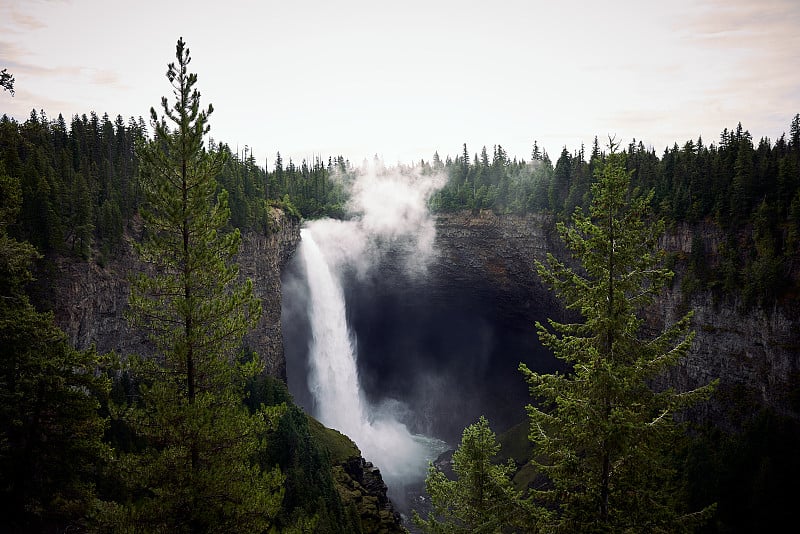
(98, 442)
(80, 185)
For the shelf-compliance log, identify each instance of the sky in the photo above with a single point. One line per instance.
(403, 80)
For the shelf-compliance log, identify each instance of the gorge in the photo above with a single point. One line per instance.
(446, 345)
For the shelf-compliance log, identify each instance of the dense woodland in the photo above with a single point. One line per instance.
(76, 453)
(80, 185)
(750, 192)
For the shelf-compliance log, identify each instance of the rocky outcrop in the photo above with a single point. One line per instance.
(89, 300)
(361, 487)
(359, 483)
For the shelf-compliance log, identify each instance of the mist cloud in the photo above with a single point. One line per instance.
(388, 209)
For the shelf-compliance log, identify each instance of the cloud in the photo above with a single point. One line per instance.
(754, 46)
(11, 55)
(104, 77)
(26, 22)
(745, 23)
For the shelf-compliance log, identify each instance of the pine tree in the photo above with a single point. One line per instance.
(197, 469)
(559, 185)
(482, 498)
(602, 433)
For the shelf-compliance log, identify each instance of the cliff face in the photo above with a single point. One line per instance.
(489, 259)
(473, 250)
(755, 353)
(261, 259)
(89, 300)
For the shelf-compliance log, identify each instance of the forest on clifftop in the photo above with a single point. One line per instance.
(76, 190)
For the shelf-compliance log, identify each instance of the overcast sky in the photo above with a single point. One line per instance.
(405, 79)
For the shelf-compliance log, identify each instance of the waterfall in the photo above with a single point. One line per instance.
(333, 381)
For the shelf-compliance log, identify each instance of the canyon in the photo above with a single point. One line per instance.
(442, 346)
(482, 277)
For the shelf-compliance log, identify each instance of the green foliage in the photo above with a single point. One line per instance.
(50, 429)
(502, 185)
(602, 433)
(79, 183)
(482, 498)
(751, 470)
(288, 207)
(196, 467)
(313, 189)
(337, 446)
(303, 456)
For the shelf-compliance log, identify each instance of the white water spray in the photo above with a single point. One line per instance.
(333, 381)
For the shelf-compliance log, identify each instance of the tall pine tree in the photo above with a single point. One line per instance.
(602, 433)
(196, 468)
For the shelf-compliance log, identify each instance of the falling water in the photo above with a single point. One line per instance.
(334, 383)
(334, 377)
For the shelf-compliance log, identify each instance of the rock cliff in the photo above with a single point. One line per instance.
(89, 300)
(488, 259)
(361, 487)
(754, 352)
(500, 249)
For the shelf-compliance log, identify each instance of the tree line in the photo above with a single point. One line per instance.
(750, 192)
(81, 188)
(81, 182)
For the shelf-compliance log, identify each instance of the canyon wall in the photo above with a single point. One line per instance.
(483, 268)
(89, 300)
(755, 352)
(447, 343)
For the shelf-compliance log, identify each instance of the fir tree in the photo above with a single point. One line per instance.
(482, 497)
(197, 469)
(602, 433)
